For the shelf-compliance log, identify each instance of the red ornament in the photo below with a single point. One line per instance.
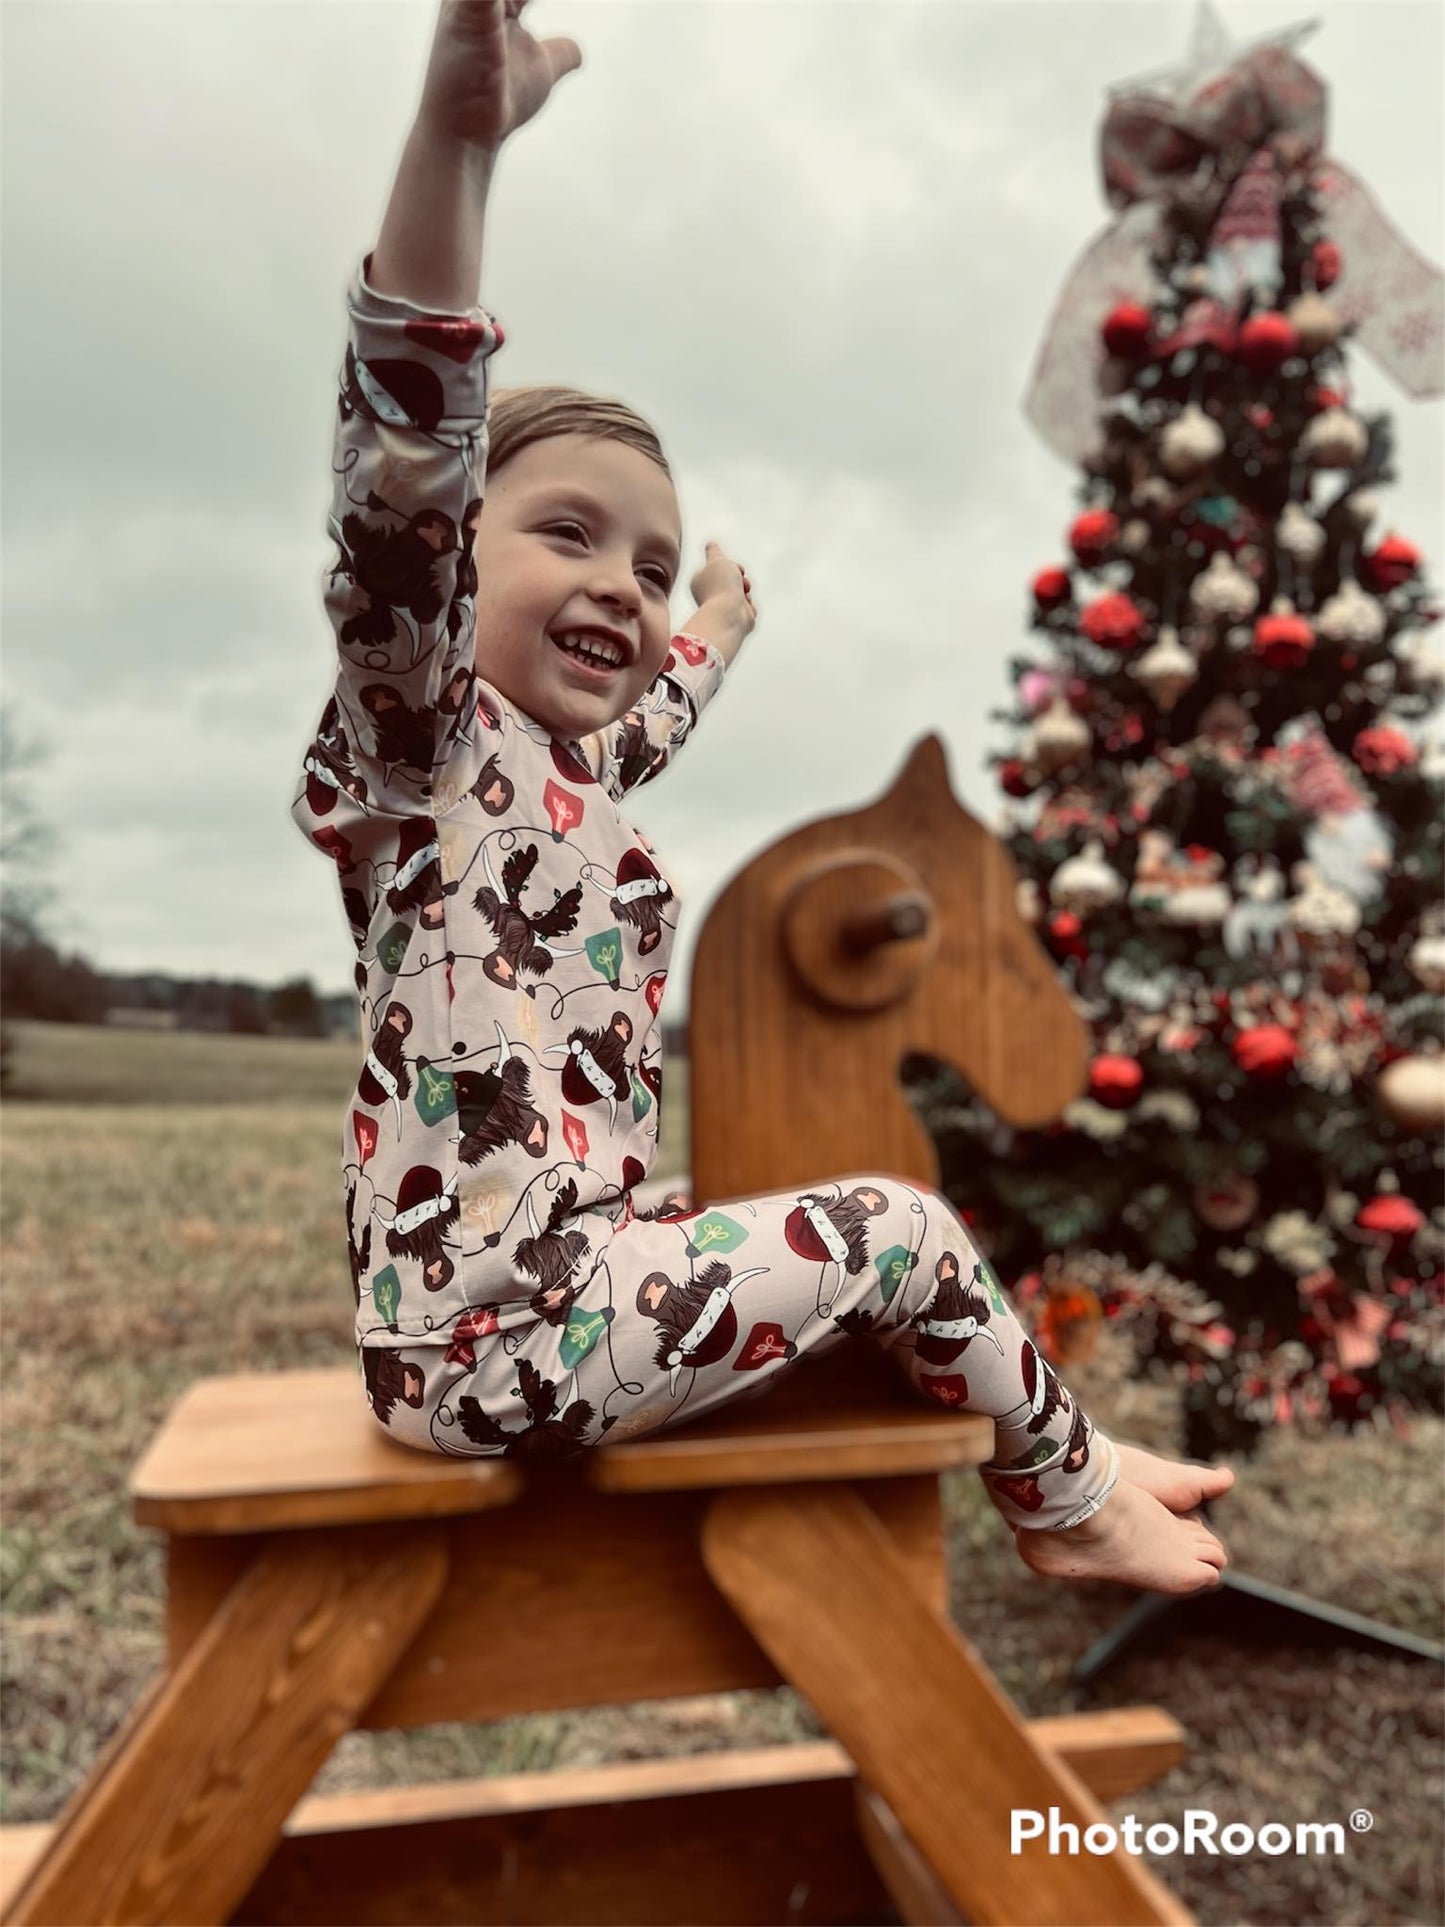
(1014, 779)
(1126, 330)
(1066, 936)
(1093, 535)
(1391, 1216)
(1325, 261)
(1112, 622)
(1283, 642)
(1115, 1081)
(1265, 341)
(1266, 1051)
(1383, 751)
(1259, 415)
(1347, 1392)
(1052, 587)
(1323, 398)
(1391, 564)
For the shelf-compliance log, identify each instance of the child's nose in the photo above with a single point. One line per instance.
(614, 582)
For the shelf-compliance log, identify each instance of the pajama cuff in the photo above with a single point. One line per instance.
(1056, 1504)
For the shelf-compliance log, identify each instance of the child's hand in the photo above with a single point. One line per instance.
(721, 587)
(487, 76)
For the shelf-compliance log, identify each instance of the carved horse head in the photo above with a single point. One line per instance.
(843, 947)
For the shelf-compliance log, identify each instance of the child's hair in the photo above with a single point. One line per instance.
(517, 417)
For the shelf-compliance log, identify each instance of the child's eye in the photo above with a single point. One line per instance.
(558, 528)
(659, 576)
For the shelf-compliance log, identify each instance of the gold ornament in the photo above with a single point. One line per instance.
(1360, 509)
(1335, 439)
(1315, 321)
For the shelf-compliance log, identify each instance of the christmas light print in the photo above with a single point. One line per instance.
(575, 1133)
(514, 1293)
(564, 809)
(714, 1233)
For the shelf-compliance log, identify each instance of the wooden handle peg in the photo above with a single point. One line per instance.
(896, 917)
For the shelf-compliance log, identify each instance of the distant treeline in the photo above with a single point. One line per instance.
(39, 981)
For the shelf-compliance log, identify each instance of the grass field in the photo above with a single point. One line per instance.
(171, 1208)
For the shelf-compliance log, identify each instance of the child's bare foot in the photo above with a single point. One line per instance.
(1182, 1487)
(1133, 1538)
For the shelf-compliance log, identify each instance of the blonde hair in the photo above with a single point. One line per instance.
(517, 417)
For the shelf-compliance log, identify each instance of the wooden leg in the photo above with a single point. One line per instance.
(189, 1806)
(817, 1581)
(912, 1884)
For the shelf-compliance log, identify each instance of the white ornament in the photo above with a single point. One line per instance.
(1412, 1090)
(1153, 493)
(1199, 905)
(1360, 509)
(1026, 898)
(1426, 961)
(1058, 738)
(1315, 321)
(1335, 439)
(1300, 536)
(1423, 660)
(1134, 537)
(1223, 591)
(1086, 882)
(1190, 443)
(1166, 670)
(1256, 923)
(1350, 615)
(1320, 910)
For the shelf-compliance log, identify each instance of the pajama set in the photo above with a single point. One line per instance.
(512, 934)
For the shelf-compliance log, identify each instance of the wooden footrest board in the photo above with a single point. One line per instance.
(427, 1852)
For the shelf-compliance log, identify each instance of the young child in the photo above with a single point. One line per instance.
(504, 679)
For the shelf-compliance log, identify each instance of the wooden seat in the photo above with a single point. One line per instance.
(264, 1451)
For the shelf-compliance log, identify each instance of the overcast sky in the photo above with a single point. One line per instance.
(816, 243)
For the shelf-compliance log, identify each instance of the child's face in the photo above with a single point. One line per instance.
(575, 533)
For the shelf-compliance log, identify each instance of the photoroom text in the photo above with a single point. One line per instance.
(1199, 1832)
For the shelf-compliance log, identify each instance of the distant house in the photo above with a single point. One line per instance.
(339, 1014)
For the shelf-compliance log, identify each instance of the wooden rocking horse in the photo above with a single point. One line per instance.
(321, 1577)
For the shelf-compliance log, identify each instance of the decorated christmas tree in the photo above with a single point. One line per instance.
(1226, 787)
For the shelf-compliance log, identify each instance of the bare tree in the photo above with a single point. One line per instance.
(27, 843)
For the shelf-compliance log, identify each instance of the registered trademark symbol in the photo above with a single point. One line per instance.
(1361, 1820)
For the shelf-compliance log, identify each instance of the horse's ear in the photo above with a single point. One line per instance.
(841, 949)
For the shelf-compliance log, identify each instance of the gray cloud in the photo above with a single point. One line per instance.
(817, 244)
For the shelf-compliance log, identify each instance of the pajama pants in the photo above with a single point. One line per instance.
(669, 1316)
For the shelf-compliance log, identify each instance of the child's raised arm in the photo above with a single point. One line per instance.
(486, 77)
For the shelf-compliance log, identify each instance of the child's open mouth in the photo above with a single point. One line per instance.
(591, 658)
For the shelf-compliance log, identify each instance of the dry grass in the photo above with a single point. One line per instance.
(147, 1243)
